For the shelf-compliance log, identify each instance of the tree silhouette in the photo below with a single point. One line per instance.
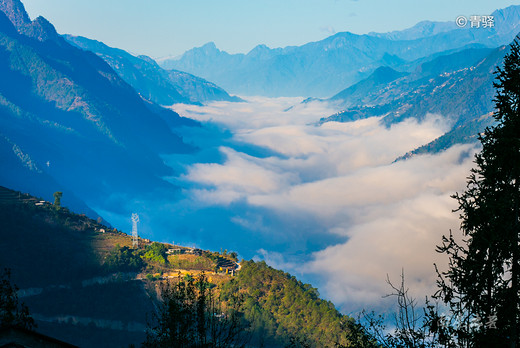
(481, 286)
(478, 294)
(12, 312)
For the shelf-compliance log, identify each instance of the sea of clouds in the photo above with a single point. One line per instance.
(327, 203)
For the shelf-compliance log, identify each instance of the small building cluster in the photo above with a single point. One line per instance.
(178, 251)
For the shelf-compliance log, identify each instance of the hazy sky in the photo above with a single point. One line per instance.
(161, 28)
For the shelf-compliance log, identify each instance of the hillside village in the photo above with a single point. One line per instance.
(84, 283)
(191, 258)
(45, 280)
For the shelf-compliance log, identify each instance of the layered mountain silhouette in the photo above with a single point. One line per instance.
(457, 86)
(87, 113)
(165, 87)
(68, 121)
(323, 68)
(359, 94)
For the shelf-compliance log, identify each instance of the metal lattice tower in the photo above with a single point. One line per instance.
(135, 241)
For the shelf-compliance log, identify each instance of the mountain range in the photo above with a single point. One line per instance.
(164, 87)
(81, 117)
(75, 110)
(323, 68)
(456, 86)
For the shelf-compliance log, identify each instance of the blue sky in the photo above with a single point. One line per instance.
(161, 28)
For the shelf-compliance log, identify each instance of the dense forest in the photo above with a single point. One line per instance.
(285, 310)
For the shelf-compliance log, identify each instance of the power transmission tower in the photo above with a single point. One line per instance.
(135, 241)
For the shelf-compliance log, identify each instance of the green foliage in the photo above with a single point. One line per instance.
(123, 259)
(216, 256)
(156, 253)
(190, 316)
(12, 312)
(199, 263)
(358, 335)
(234, 256)
(57, 199)
(285, 311)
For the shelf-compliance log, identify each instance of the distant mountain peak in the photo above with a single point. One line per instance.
(384, 71)
(339, 41)
(150, 80)
(16, 13)
(325, 67)
(42, 30)
(210, 46)
(208, 49)
(510, 10)
(420, 30)
(260, 48)
(260, 51)
(39, 29)
(507, 19)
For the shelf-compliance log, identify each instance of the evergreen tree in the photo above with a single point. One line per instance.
(57, 199)
(12, 312)
(481, 286)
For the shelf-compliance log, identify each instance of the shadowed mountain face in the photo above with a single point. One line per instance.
(323, 68)
(71, 121)
(151, 81)
(56, 258)
(359, 94)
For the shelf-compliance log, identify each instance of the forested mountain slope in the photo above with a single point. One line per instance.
(84, 284)
(165, 87)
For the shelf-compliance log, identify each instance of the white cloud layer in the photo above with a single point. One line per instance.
(342, 176)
